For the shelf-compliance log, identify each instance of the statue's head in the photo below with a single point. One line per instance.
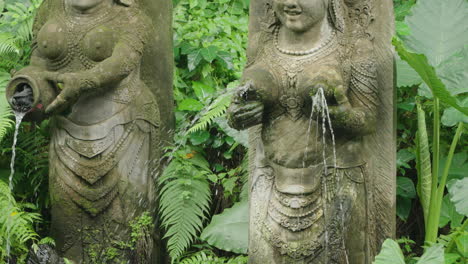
(301, 15)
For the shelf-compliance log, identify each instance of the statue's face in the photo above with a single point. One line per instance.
(84, 5)
(300, 15)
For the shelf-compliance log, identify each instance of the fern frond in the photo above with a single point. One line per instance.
(214, 110)
(184, 201)
(6, 122)
(16, 224)
(8, 43)
(208, 257)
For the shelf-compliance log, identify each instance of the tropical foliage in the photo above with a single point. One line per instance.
(203, 199)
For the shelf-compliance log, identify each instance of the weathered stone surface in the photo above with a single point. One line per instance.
(102, 71)
(305, 207)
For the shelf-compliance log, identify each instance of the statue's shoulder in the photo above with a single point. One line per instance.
(133, 16)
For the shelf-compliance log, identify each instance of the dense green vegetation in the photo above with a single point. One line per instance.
(203, 203)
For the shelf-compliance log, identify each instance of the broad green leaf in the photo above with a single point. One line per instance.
(229, 230)
(451, 258)
(209, 53)
(390, 254)
(406, 76)
(433, 255)
(458, 190)
(402, 10)
(458, 168)
(403, 208)
(190, 104)
(194, 59)
(423, 164)
(448, 213)
(453, 72)
(462, 245)
(226, 59)
(452, 117)
(405, 187)
(202, 90)
(199, 137)
(419, 63)
(438, 28)
(403, 157)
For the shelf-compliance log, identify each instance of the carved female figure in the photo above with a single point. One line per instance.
(106, 127)
(307, 204)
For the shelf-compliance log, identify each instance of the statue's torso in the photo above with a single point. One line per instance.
(73, 43)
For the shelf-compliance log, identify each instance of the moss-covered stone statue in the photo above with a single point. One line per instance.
(311, 202)
(102, 69)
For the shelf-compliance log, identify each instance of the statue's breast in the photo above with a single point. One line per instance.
(52, 40)
(98, 44)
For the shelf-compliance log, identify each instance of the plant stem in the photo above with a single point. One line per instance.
(434, 213)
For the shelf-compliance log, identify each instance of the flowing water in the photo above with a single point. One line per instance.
(319, 110)
(19, 117)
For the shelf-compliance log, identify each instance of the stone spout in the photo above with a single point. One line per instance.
(28, 91)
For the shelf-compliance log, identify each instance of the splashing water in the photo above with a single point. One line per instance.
(19, 117)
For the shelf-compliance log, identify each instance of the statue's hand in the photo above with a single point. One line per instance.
(242, 115)
(69, 83)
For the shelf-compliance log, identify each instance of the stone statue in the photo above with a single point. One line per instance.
(102, 69)
(316, 196)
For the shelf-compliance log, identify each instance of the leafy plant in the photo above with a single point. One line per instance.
(207, 257)
(185, 200)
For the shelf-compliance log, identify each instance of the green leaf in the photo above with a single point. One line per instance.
(194, 59)
(452, 116)
(202, 90)
(403, 208)
(390, 254)
(459, 194)
(209, 53)
(451, 258)
(403, 157)
(190, 104)
(229, 230)
(226, 59)
(419, 63)
(433, 255)
(199, 137)
(406, 76)
(458, 168)
(462, 245)
(438, 28)
(448, 213)
(405, 188)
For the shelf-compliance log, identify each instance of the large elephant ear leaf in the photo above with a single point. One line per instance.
(459, 195)
(229, 230)
(433, 255)
(438, 28)
(390, 254)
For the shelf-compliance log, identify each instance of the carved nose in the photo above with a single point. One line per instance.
(291, 5)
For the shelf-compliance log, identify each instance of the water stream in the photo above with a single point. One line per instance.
(18, 117)
(319, 110)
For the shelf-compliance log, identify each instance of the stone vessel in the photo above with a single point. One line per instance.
(310, 202)
(101, 70)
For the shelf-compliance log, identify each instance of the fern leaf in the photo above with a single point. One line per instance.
(184, 202)
(214, 110)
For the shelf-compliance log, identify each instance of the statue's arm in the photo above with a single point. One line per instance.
(358, 116)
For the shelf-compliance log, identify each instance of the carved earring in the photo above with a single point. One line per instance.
(336, 14)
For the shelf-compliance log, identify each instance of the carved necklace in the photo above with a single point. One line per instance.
(305, 52)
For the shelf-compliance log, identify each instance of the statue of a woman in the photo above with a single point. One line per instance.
(107, 128)
(311, 193)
